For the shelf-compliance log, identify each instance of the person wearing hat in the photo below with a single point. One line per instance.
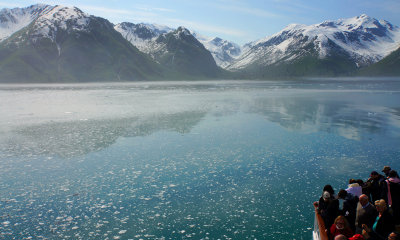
(386, 170)
(328, 207)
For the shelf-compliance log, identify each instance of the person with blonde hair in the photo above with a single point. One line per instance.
(340, 226)
(384, 223)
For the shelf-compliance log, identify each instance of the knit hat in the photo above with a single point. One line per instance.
(326, 195)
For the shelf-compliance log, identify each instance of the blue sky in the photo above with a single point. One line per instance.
(240, 21)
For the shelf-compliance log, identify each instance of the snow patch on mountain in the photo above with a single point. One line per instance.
(181, 32)
(142, 35)
(223, 51)
(59, 18)
(13, 20)
(365, 39)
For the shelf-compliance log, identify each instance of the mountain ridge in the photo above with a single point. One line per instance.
(357, 36)
(45, 34)
(66, 45)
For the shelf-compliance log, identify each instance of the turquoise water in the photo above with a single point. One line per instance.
(184, 160)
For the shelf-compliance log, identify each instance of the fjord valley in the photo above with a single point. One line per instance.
(129, 130)
(44, 43)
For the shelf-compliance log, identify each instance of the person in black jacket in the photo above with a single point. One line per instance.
(391, 194)
(349, 207)
(328, 207)
(375, 185)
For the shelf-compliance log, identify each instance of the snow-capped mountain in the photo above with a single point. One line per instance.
(177, 49)
(64, 44)
(363, 39)
(13, 20)
(43, 43)
(142, 35)
(60, 18)
(181, 51)
(224, 52)
(47, 21)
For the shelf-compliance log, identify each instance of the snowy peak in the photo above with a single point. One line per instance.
(366, 40)
(145, 38)
(182, 36)
(46, 21)
(361, 22)
(13, 20)
(182, 33)
(224, 52)
(141, 35)
(60, 18)
(141, 31)
(63, 14)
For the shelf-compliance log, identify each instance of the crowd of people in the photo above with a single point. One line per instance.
(367, 210)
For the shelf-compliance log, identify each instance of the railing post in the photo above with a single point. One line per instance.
(319, 232)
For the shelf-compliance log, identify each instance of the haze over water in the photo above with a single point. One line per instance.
(187, 160)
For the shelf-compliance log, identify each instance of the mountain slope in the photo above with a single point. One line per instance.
(388, 66)
(144, 36)
(141, 35)
(358, 41)
(181, 51)
(178, 50)
(43, 43)
(13, 20)
(66, 45)
(223, 51)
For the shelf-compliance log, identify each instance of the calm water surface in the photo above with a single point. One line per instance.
(187, 160)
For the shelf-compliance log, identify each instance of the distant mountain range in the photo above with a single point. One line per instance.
(43, 43)
(331, 48)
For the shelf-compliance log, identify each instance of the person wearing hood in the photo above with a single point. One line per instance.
(391, 190)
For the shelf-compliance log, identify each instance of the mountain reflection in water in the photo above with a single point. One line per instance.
(177, 160)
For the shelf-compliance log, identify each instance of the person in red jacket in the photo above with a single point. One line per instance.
(340, 226)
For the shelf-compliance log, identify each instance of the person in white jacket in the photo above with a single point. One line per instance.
(354, 188)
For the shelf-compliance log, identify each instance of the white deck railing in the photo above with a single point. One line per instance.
(319, 232)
